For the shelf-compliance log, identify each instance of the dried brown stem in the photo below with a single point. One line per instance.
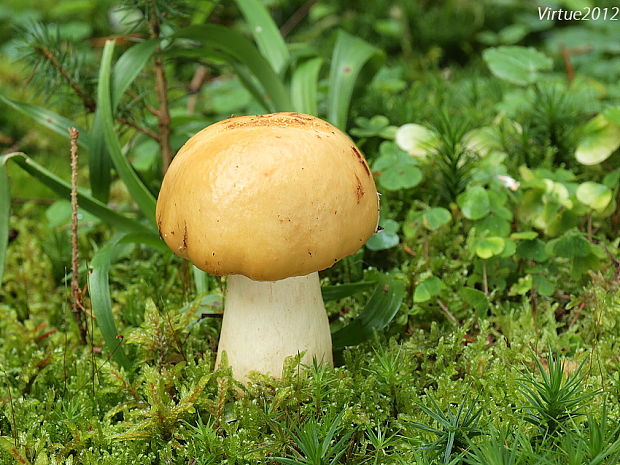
(296, 18)
(161, 87)
(199, 78)
(447, 312)
(76, 304)
(152, 134)
(568, 65)
(86, 99)
(163, 115)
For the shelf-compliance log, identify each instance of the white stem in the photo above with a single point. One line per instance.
(267, 321)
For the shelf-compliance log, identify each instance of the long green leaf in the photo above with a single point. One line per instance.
(304, 86)
(129, 66)
(88, 203)
(349, 57)
(340, 291)
(99, 162)
(266, 34)
(99, 288)
(59, 124)
(376, 314)
(5, 213)
(239, 48)
(138, 191)
(126, 69)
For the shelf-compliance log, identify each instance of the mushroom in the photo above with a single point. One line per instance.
(269, 200)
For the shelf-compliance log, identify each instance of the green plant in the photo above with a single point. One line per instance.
(319, 443)
(260, 69)
(556, 400)
(453, 430)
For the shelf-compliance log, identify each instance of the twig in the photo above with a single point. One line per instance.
(199, 78)
(152, 134)
(161, 86)
(568, 65)
(297, 17)
(447, 312)
(76, 304)
(87, 100)
(163, 115)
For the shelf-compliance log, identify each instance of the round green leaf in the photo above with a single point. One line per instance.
(386, 238)
(543, 285)
(428, 289)
(474, 203)
(395, 169)
(400, 177)
(594, 195)
(527, 235)
(478, 301)
(571, 246)
(519, 65)
(415, 139)
(510, 247)
(489, 247)
(533, 249)
(601, 139)
(493, 225)
(612, 115)
(435, 217)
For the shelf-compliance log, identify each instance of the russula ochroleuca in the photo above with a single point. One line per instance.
(269, 200)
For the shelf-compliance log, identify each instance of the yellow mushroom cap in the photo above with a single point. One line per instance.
(267, 197)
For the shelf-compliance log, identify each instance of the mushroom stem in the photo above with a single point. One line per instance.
(267, 321)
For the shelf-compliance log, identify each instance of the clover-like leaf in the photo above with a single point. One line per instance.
(386, 238)
(395, 169)
(434, 218)
(572, 245)
(543, 285)
(600, 139)
(524, 235)
(532, 249)
(416, 139)
(518, 65)
(428, 289)
(488, 247)
(612, 114)
(594, 195)
(474, 203)
(475, 298)
(377, 126)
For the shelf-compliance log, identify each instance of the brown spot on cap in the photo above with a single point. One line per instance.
(184, 246)
(360, 158)
(359, 189)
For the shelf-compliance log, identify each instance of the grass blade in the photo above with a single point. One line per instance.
(304, 86)
(125, 72)
(5, 214)
(266, 34)
(101, 301)
(138, 191)
(349, 57)
(241, 49)
(128, 66)
(340, 291)
(99, 162)
(376, 314)
(88, 203)
(58, 124)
